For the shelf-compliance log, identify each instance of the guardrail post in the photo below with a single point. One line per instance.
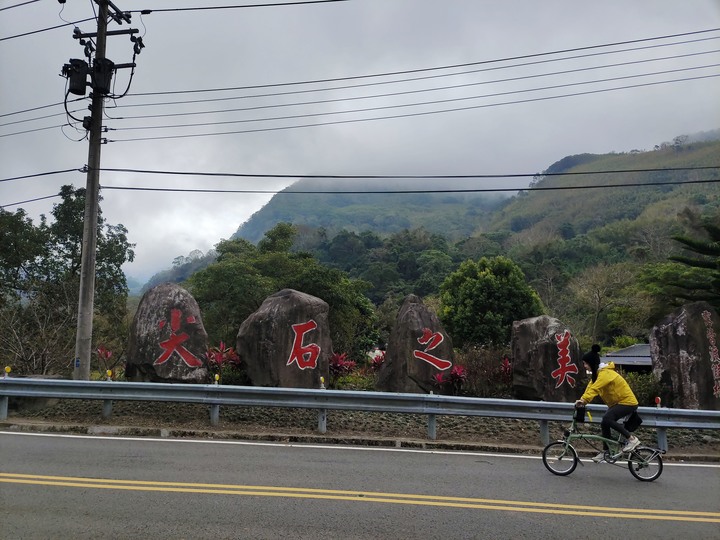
(322, 413)
(432, 421)
(322, 420)
(107, 408)
(4, 407)
(662, 438)
(544, 432)
(215, 414)
(432, 427)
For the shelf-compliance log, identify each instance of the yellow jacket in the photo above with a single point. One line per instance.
(611, 388)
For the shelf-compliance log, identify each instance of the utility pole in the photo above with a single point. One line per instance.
(83, 338)
(100, 76)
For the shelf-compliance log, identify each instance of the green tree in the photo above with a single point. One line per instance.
(347, 250)
(481, 300)
(39, 284)
(596, 291)
(232, 288)
(22, 246)
(433, 267)
(278, 239)
(703, 261)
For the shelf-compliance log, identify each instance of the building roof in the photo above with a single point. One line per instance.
(635, 355)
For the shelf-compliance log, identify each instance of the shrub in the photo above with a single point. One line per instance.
(451, 382)
(340, 365)
(645, 386)
(622, 342)
(377, 362)
(489, 372)
(234, 374)
(105, 364)
(226, 363)
(360, 380)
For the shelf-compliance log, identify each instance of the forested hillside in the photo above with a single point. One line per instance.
(370, 205)
(593, 235)
(596, 204)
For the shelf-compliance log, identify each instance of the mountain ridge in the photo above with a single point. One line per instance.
(482, 222)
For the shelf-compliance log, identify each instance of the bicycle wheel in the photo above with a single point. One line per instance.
(645, 464)
(560, 458)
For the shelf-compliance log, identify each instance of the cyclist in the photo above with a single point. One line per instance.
(615, 393)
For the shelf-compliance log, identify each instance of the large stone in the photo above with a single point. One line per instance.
(546, 361)
(168, 342)
(287, 341)
(684, 349)
(418, 350)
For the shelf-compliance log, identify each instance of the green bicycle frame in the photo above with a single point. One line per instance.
(561, 458)
(614, 445)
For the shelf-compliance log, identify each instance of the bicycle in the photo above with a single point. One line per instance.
(561, 458)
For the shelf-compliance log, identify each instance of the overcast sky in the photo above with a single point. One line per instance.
(493, 114)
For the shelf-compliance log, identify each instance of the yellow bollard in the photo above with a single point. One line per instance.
(109, 374)
(8, 369)
(217, 379)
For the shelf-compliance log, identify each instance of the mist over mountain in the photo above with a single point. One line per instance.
(449, 206)
(489, 216)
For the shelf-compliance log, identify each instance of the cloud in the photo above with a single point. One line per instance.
(277, 45)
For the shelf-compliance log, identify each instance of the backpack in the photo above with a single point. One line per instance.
(633, 422)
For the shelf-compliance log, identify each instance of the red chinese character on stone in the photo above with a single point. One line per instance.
(431, 340)
(562, 373)
(175, 341)
(715, 368)
(306, 356)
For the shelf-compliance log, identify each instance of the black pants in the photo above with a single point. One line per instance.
(610, 420)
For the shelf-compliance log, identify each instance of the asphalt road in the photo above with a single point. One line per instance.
(60, 486)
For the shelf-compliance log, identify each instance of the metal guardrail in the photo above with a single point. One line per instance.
(323, 400)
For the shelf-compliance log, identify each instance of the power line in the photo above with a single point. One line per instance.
(30, 200)
(225, 89)
(387, 192)
(418, 91)
(378, 83)
(396, 116)
(423, 103)
(36, 175)
(148, 11)
(412, 191)
(410, 115)
(404, 176)
(389, 94)
(19, 5)
(208, 8)
(40, 107)
(46, 29)
(34, 119)
(32, 130)
(365, 176)
(450, 66)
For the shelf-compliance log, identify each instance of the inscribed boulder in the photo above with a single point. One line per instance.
(418, 351)
(546, 361)
(287, 342)
(168, 342)
(684, 350)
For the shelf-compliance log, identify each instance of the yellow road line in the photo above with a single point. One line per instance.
(366, 496)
